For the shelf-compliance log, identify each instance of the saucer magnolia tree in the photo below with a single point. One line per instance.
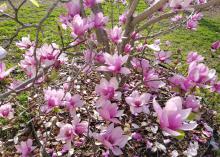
(112, 88)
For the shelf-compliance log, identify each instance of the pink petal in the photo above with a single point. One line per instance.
(171, 132)
(185, 113)
(189, 126)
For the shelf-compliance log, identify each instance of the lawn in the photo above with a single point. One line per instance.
(181, 39)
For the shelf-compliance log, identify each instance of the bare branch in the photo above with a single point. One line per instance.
(148, 12)
(155, 20)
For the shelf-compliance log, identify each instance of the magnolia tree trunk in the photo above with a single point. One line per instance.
(109, 88)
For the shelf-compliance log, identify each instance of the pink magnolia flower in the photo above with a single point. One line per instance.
(116, 35)
(191, 24)
(6, 111)
(128, 48)
(192, 102)
(107, 89)
(91, 3)
(114, 64)
(141, 47)
(72, 102)
(79, 26)
(69, 131)
(123, 18)
(138, 103)
(176, 18)
(25, 43)
(3, 72)
(163, 56)
(73, 7)
(200, 73)
(215, 86)
(197, 16)
(99, 58)
(48, 54)
(194, 57)
(3, 53)
(179, 4)
(181, 82)
(201, 1)
(140, 64)
(66, 133)
(99, 20)
(215, 46)
(53, 98)
(112, 138)
(172, 117)
(80, 127)
(109, 111)
(25, 148)
(28, 64)
(151, 80)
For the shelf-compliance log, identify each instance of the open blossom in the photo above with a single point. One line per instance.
(215, 86)
(116, 34)
(28, 64)
(176, 18)
(107, 89)
(200, 73)
(66, 132)
(73, 8)
(3, 72)
(172, 117)
(72, 102)
(123, 18)
(6, 111)
(25, 148)
(91, 3)
(191, 24)
(112, 138)
(197, 16)
(201, 1)
(163, 56)
(181, 82)
(215, 46)
(48, 54)
(79, 26)
(53, 98)
(109, 111)
(140, 64)
(192, 102)
(151, 80)
(99, 20)
(179, 4)
(194, 57)
(25, 43)
(3, 53)
(138, 103)
(69, 131)
(114, 63)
